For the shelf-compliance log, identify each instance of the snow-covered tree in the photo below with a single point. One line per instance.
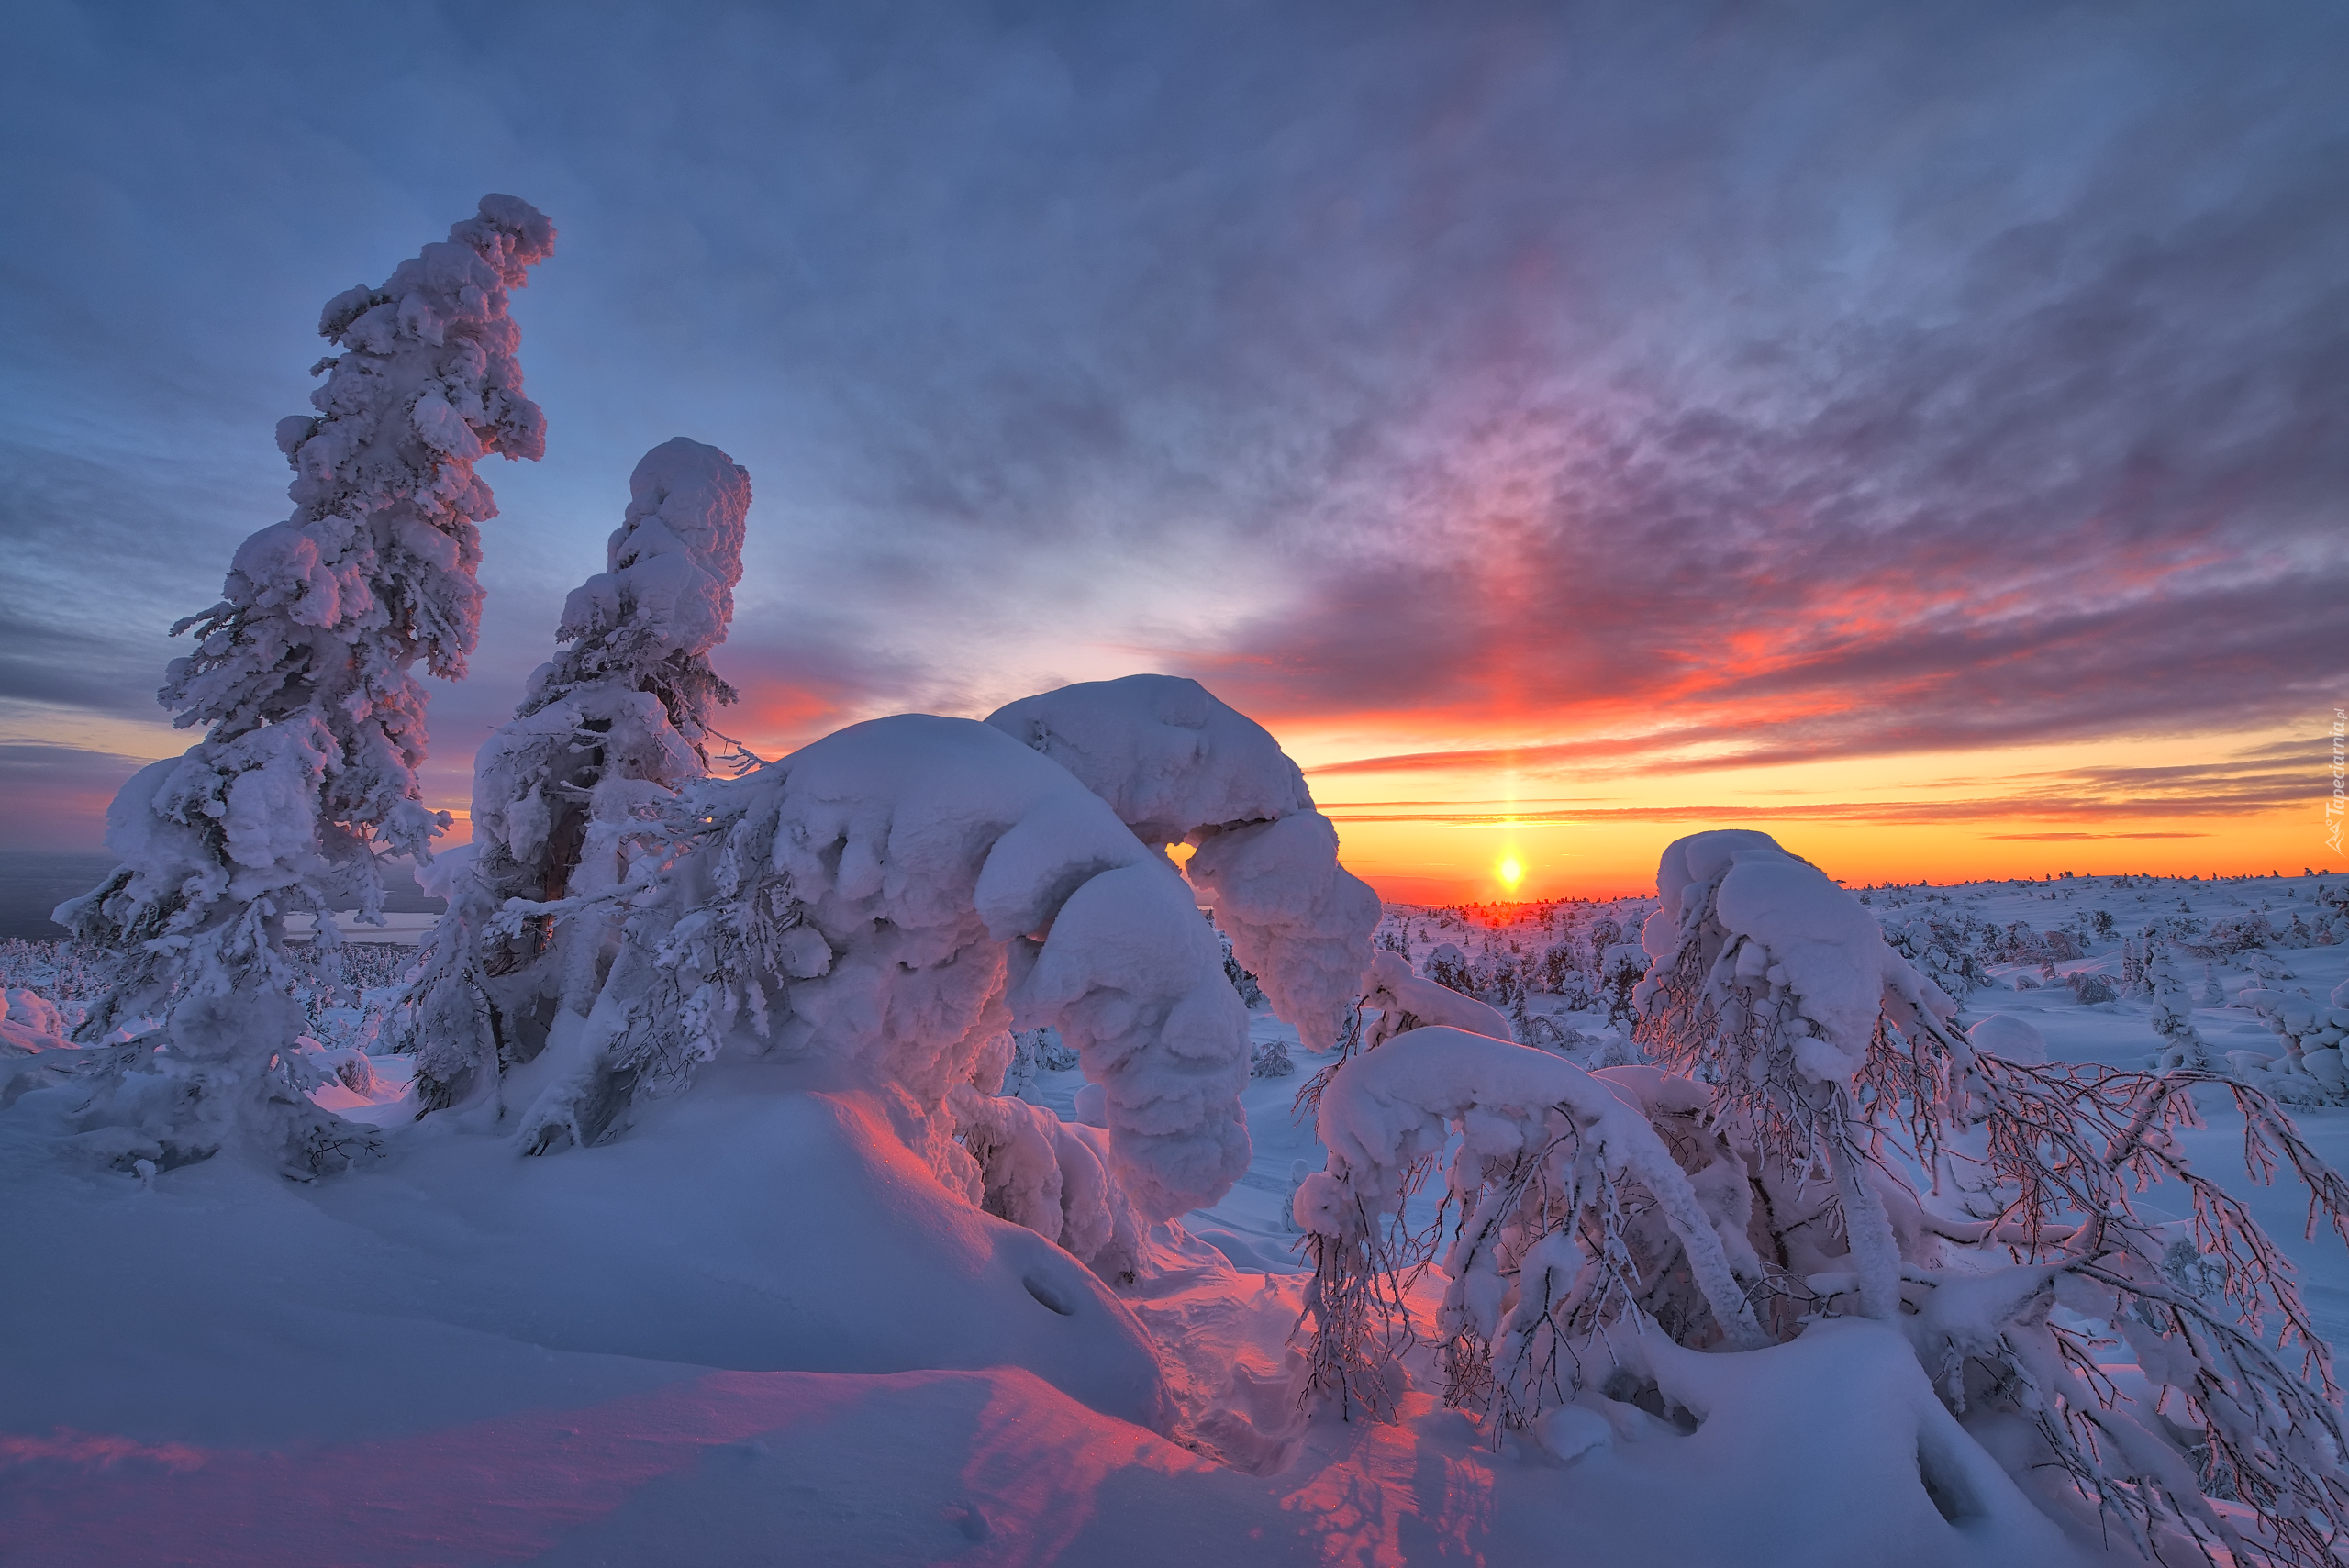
(607, 735)
(2183, 1045)
(888, 902)
(302, 678)
(1180, 767)
(1848, 1155)
(894, 899)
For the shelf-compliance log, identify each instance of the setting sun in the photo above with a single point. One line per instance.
(1511, 873)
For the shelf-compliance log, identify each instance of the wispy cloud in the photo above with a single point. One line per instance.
(2222, 789)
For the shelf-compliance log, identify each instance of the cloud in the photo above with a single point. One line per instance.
(2227, 789)
(2069, 837)
(1607, 383)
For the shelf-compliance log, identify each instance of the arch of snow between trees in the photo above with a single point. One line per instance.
(1811, 1147)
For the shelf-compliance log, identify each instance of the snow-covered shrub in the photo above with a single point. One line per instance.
(888, 901)
(2228, 937)
(1178, 766)
(34, 1051)
(23, 1008)
(1270, 1059)
(302, 678)
(1563, 1189)
(1447, 966)
(1561, 970)
(2310, 1032)
(1404, 1002)
(2174, 1019)
(1940, 947)
(2089, 989)
(608, 732)
(1851, 1154)
(1621, 969)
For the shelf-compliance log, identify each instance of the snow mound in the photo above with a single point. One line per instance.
(2002, 1035)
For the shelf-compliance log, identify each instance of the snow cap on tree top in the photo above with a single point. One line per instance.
(1687, 864)
(1789, 924)
(673, 560)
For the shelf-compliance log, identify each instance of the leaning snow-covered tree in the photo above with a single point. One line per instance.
(302, 678)
(1180, 767)
(609, 731)
(889, 902)
(1821, 1157)
(886, 903)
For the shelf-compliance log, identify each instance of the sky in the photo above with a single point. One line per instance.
(1919, 431)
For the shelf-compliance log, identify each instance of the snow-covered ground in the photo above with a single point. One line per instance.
(754, 1328)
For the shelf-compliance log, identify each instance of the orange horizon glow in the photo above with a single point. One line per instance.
(1423, 833)
(1454, 814)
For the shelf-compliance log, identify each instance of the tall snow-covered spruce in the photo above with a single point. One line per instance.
(608, 732)
(302, 679)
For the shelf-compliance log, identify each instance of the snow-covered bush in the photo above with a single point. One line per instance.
(22, 1007)
(1941, 948)
(1178, 766)
(2089, 989)
(1849, 1153)
(1568, 1204)
(887, 902)
(1051, 1175)
(1621, 967)
(2174, 1019)
(610, 730)
(302, 678)
(2227, 938)
(34, 1051)
(1404, 1002)
(1447, 966)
